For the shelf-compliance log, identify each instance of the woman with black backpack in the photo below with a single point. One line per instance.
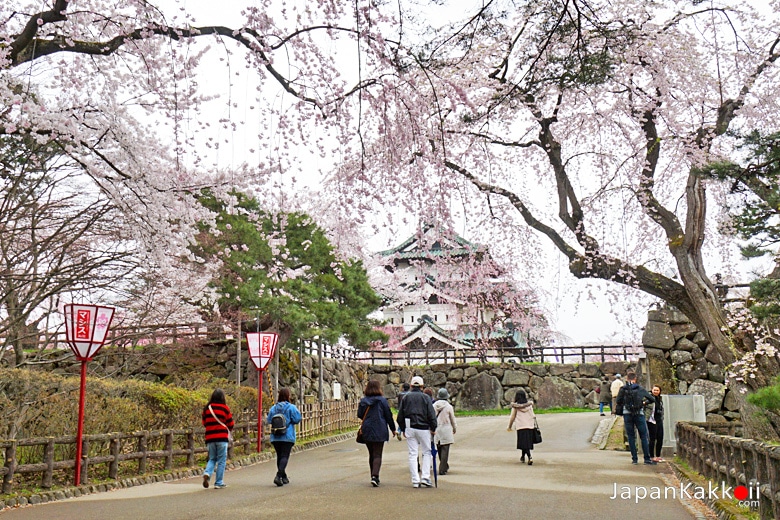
(282, 417)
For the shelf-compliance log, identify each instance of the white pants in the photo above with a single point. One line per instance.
(419, 440)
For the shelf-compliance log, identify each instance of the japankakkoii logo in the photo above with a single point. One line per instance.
(746, 496)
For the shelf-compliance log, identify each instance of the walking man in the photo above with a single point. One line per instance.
(631, 400)
(617, 384)
(417, 422)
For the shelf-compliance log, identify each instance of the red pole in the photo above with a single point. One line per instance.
(79, 434)
(259, 410)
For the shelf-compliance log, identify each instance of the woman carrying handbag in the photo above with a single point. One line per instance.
(377, 420)
(523, 420)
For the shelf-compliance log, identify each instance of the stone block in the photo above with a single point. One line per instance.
(714, 393)
(589, 370)
(716, 418)
(679, 357)
(685, 344)
(539, 370)
(712, 355)
(683, 330)
(497, 371)
(592, 400)
(730, 402)
(482, 392)
(456, 374)
(700, 340)
(715, 373)
(670, 316)
(697, 353)
(554, 392)
(558, 369)
(470, 372)
(394, 378)
(658, 335)
(515, 378)
(614, 367)
(692, 370)
(586, 383)
(661, 373)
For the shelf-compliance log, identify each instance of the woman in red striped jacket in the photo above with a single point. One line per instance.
(218, 421)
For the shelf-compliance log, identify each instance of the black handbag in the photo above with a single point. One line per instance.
(537, 433)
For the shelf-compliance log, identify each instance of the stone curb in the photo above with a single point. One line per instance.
(601, 435)
(77, 491)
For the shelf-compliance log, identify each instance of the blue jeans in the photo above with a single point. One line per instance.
(631, 421)
(218, 458)
(601, 407)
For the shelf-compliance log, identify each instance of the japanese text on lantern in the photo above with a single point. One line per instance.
(82, 324)
(266, 346)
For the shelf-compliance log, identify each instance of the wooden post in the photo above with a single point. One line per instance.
(191, 448)
(168, 448)
(84, 462)
(10, 464)
(113, 466)
(143, 442)
(48, 459)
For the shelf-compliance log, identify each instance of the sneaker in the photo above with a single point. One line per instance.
(651, 462)
(206, 481)
(415, 484)
(375, 481)
(426, 483)
(530, 462)
(220, 486)
(522, 460)
(603, 415)
(634, 462)
(285, 480)
(442, 473)
(278, 481)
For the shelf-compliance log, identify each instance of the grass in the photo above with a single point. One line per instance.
(507, 411)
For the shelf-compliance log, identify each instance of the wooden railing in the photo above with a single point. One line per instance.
(734, 461)
(116, 455)
(580, 354)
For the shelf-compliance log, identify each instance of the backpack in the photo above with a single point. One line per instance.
(279, 424)
(631, 401)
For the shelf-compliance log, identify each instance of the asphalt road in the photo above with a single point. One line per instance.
(570, 478)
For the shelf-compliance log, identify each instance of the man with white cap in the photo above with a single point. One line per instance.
(614, 389)
(417, 421)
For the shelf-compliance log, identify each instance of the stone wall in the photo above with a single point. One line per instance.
(682, 361)
(472, 387)
(490, 386)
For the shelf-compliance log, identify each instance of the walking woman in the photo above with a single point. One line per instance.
(522, 419)
(377, 420)
(283, 442)
(654, 413)
(445, 429)
(218, 421)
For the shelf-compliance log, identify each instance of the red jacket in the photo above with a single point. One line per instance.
(215, 432)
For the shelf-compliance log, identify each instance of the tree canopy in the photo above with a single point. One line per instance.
(282, 269)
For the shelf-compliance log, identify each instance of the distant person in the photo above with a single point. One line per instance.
(654, 414)
(218, 421)
(404, 390)
(631, 402)
(429, 393)
(614, 389)
(522, 420)
(605, 396)
(283, 442)
(417, 422)
(377, 420)
(445, 429)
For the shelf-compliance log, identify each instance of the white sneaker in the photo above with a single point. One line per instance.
(426, 482)
(415, 484)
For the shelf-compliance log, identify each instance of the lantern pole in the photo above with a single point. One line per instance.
(80, 431)
(259, 410)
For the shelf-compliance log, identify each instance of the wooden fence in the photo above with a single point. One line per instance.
(734, 461)
(579, 354)
(118, 455)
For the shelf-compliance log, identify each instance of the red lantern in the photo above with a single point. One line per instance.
(262, 347)
(86, 328)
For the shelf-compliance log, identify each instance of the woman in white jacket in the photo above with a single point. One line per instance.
(522, 420)
(445, 429)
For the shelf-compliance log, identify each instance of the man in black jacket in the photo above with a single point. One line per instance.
(417, 421)
(631, 400)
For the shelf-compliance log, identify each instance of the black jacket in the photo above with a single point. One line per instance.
(639, 393)
(418, 408)
(378, 418)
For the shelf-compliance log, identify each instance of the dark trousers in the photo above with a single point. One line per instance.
(444, 457)
(632, 421)
(283, 450)
(375, 457)
(656, 432)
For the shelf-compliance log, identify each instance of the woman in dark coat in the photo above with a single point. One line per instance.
(377, 420)
(654, 414)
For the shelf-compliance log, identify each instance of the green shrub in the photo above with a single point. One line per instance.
(767, 398)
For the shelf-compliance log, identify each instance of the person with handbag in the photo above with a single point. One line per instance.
(284, 440)
(218, 421)
(377, 419)
(523, 420)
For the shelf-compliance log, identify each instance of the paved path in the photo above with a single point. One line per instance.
(570, 478)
